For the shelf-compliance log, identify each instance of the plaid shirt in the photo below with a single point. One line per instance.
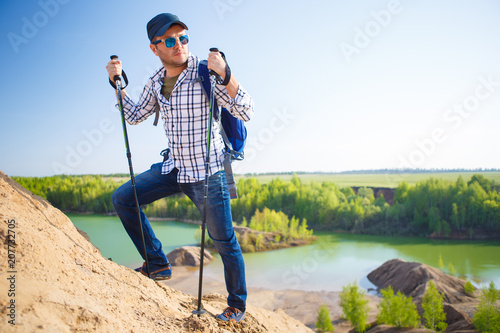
(185, 119)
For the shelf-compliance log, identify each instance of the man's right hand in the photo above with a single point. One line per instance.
(114, 68)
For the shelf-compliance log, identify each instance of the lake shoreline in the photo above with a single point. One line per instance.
(478, 235)
(268, 242)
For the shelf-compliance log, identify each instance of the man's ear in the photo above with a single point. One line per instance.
(153, 48)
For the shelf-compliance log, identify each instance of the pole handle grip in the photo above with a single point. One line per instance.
(117, 77)
(218, 78)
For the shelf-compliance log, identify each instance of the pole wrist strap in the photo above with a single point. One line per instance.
(124, 79)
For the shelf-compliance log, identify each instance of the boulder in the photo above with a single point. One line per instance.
(459, 320)
(411, 278)
(188, 256)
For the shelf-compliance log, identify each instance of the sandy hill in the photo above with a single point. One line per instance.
(60, 282)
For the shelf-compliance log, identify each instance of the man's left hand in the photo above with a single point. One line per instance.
(217, 64)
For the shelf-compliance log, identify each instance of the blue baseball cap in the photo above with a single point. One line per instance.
(160, 23)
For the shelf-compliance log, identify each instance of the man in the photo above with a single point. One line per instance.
(176, 92)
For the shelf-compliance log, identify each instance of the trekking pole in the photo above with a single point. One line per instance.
(118, 86)
(199, 311)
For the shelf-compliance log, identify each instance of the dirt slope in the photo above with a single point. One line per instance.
(62, 283)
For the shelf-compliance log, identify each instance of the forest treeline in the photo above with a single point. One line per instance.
(89, 193)
(433, 206)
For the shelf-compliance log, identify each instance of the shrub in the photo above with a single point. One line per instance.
(432, 304)
(354, 306)
(324, 323)
(490, 293)
(397, 310)
(469, 288)
(487, 317)
(441, 263)
(451, 269)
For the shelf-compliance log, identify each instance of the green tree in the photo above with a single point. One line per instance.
(401, 193)
(451, 269)
(354, 306)
(441, 263)
(487, 317)
(432, 304)
(485, 183)
(469, 288)
(324, 322)
(490, 293)
(380, 201)
(397, 310)
(258, 242)
(455, 217)
(366, 192)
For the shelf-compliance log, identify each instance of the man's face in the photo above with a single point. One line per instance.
(175, 56)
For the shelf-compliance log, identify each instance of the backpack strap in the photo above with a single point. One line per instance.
(157, 115)
(206, 87)
(228, 170)
(205, 84)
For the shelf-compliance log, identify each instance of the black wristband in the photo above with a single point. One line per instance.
(228, 76)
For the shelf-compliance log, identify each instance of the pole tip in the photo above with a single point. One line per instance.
(199, 312)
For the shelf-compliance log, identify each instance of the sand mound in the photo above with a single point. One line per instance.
(61, 283)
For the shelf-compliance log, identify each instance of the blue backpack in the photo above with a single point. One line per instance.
(233, 130)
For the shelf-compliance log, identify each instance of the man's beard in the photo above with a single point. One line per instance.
(167, 63)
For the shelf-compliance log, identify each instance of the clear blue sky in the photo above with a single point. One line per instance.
(337, 85)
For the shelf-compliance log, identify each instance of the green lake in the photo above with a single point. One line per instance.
(331, 262)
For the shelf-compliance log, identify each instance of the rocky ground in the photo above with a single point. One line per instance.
(301, 305)
(62, 283)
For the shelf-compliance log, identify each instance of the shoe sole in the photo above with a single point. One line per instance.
(155, 277)
(234, 320)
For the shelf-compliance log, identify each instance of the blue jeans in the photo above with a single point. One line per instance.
(152, 185)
